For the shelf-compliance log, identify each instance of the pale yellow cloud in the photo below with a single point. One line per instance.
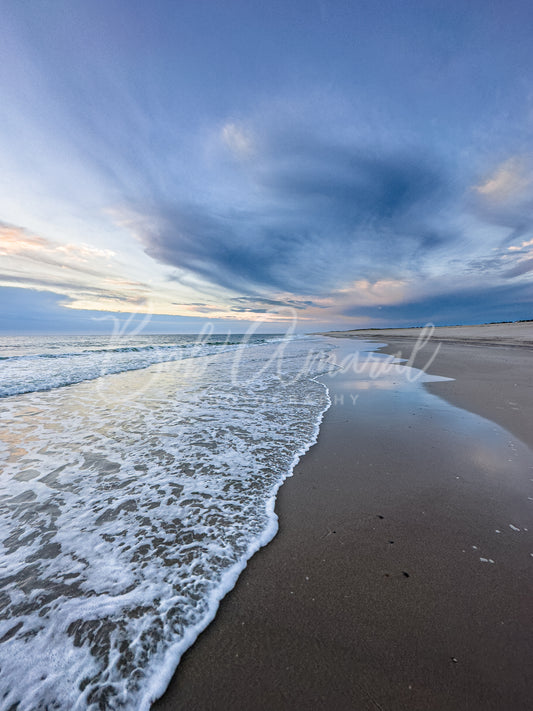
(16, 241)
(83, 273)
(520, 247)
(382, 292)
(84, 252)
(509, 181)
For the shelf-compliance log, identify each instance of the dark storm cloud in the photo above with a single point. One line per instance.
(315, 216)
(354, 185)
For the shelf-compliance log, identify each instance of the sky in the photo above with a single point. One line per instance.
(335, 164)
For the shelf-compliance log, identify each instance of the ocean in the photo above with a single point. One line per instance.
(138, 475)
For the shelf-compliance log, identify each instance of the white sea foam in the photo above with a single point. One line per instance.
(31, 365)
(128, 507)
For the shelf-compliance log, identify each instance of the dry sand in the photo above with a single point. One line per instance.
(378, 591)
(517, 333)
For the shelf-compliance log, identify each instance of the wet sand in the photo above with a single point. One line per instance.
(378, 591)
(492, 367)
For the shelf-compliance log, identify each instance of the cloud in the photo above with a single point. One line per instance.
(16, 241)
(523, 267)
(26, 310)
(238, 139)
(364, 292)
(521, 247)
(313, 215)
(505, 197)
(479, 304)
(261, 305)
(509, 181)
(87, 275)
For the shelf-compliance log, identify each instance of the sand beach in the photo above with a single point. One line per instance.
(402, 573)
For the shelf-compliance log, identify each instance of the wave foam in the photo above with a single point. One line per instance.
(124, 520)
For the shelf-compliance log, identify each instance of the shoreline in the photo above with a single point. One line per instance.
(378, 590)
(517, 333)
(491, 365)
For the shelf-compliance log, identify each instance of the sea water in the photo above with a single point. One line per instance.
(137, 478)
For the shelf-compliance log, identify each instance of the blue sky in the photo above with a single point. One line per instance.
(353, 163)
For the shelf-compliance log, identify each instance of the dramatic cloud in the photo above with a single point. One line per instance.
(346, 163)
(312, 217)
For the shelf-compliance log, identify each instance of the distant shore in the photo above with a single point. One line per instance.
(401, 575)
(509, 334)
(492, 366)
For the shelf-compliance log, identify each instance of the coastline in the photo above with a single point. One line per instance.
(517, 333)
(491, 366)
(378, 590)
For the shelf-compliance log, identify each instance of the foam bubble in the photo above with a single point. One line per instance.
(125, 519)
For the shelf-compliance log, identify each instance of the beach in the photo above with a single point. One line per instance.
(138, 477)
(237, 471)
(402, 572)
(492, 367)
